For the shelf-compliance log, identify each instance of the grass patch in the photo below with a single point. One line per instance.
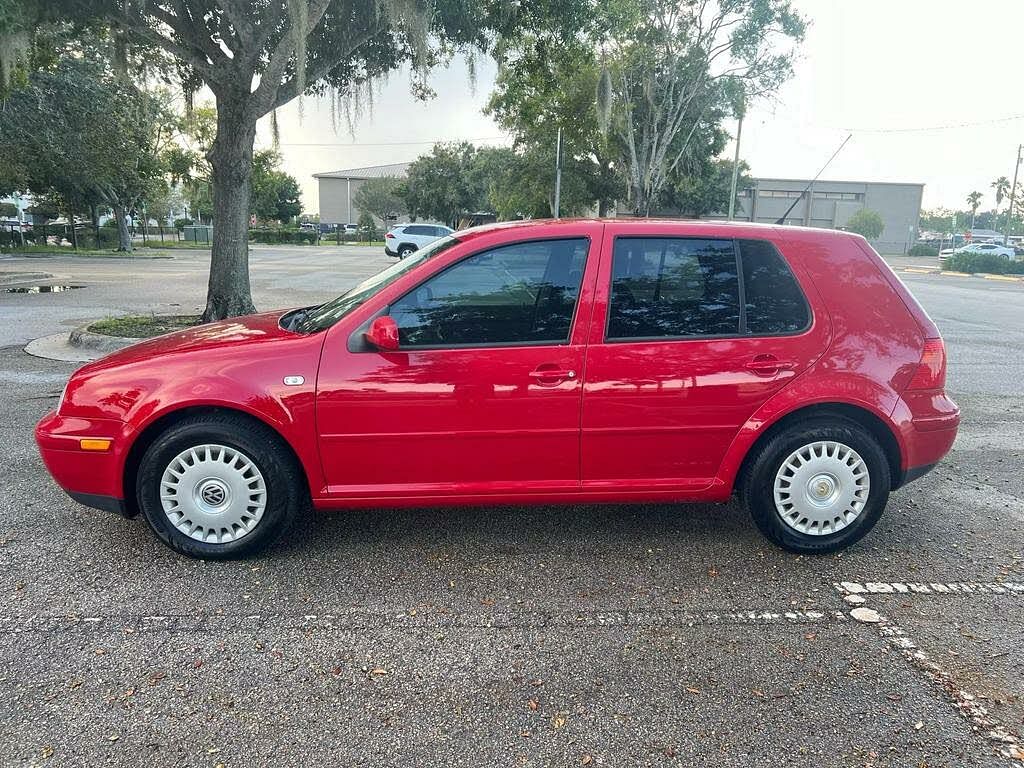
(58, 250)
(143, 326)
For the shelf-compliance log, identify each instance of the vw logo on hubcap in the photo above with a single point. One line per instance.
(213, 493)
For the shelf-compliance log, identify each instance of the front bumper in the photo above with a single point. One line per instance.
(93, 478)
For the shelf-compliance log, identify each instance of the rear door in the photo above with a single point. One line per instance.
(691, 335)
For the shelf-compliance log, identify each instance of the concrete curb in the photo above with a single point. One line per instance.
(14, 278)
(80, 346)
(949, 273)
(83, 338)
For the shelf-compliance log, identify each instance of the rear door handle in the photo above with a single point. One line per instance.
(769, 365)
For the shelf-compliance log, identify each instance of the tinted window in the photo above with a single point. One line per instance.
(525, 292)
(418, 229)
(774, 301)
(672, 287)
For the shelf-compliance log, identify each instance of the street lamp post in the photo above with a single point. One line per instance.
(735, 167)
(558, 175)
(1013, 192)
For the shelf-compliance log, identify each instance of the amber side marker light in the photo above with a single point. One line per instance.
(94, 444)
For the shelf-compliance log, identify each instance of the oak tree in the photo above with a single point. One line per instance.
(257, 55)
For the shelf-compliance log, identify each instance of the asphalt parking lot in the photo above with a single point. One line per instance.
(598, 635)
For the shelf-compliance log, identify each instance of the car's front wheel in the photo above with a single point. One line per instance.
(818, 486)
(218, 486)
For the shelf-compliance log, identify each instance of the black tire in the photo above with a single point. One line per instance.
(285, 488)
(757, 487)
(405, 250)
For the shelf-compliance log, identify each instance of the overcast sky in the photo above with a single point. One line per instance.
(878, 69)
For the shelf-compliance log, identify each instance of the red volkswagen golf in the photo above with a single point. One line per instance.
(536, 362)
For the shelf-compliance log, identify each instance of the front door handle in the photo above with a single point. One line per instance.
(769, 365)
(549, 375)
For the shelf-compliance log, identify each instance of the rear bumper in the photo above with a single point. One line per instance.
(928, 424)
(910, 475)
(93, 478)
(389, 252)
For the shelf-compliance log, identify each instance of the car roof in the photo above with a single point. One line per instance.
(704, 227)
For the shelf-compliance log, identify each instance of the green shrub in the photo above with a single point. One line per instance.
(179, 223)
(984, 262)
(922, 251)
(366, 228)
(282, 236)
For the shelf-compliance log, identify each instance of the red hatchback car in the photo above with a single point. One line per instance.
(534, 362)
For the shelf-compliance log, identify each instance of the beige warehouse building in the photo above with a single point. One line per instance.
(830, 204)
(336, 189)
(827, 204)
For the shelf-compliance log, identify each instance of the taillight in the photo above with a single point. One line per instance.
(931, 371)
(389, 236)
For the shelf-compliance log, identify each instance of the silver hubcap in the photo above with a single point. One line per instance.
(821, 488)
(213, 493)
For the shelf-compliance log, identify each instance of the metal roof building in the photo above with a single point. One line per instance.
(336, 189)
(830, 204)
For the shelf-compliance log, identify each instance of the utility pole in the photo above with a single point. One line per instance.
(1013, 193)
(558, 173)
(735, 167)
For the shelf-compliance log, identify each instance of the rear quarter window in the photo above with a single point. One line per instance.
(773, 300)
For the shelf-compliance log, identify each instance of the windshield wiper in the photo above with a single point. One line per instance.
(296, 320)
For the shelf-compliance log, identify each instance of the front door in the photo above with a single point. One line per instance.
(483, 395)
(697, 334)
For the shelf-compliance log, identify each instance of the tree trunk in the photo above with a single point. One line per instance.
(124, 237)
(229, 293)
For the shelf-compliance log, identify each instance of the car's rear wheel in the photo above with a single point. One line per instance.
(405, 250)
(818, 486)
(218, 486)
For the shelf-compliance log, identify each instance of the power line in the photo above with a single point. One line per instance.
(950, 126)
(386, 143)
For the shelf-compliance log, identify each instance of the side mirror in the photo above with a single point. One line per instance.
(383, 333)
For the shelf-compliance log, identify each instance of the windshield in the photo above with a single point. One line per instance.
(326, 315)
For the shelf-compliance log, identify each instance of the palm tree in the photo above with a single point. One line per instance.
(974, 200)
(1002, 188)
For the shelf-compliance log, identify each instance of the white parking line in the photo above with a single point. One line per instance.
(497, 619)
(929, 588)
(1008, 743)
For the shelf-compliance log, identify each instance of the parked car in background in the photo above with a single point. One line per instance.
(993, 249)
(345, 229)
(787, 365)
(404, 239)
